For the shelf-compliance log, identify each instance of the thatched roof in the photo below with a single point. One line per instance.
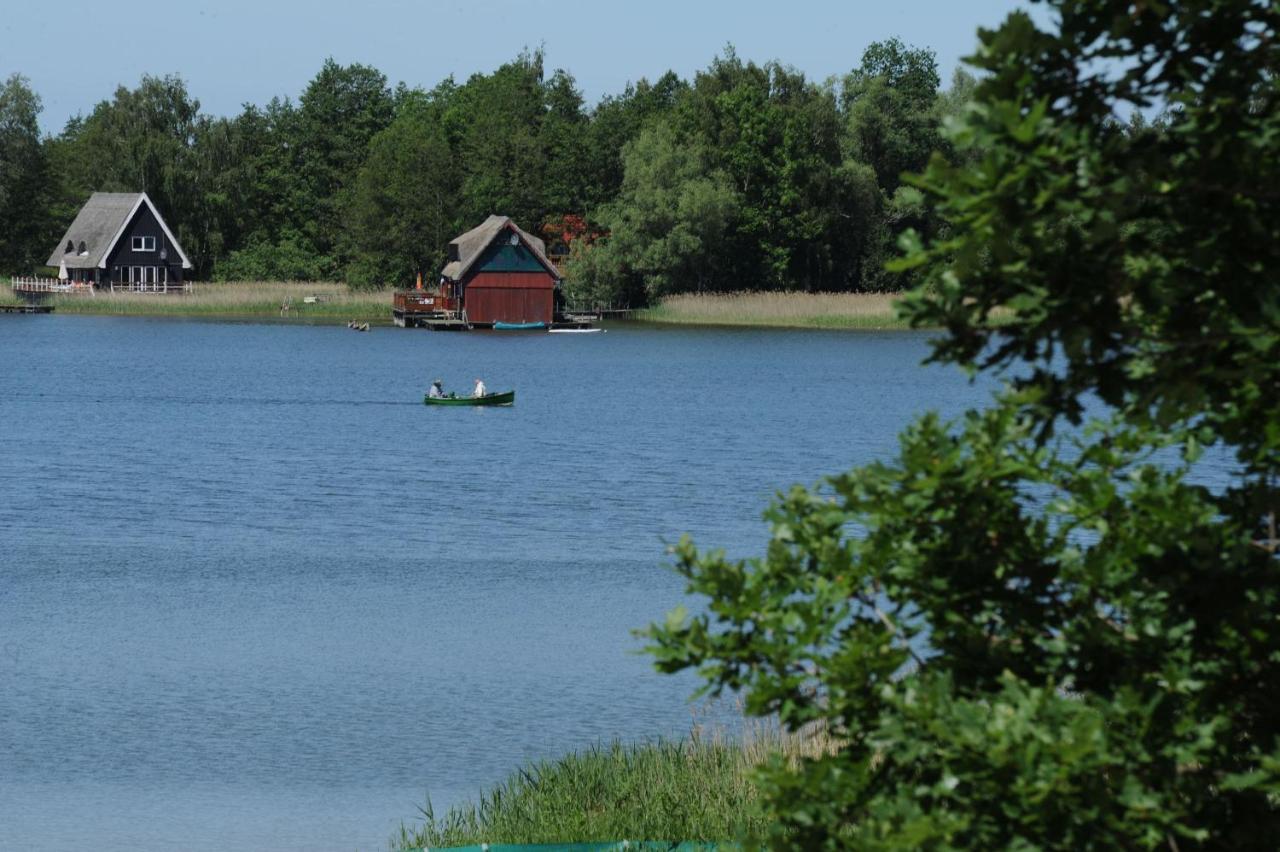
(473, 243)
(99, 225)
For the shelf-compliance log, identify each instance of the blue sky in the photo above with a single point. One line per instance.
(235, 51)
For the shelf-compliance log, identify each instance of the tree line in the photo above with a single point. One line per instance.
(748, 177)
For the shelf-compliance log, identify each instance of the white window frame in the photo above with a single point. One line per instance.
(144, 243)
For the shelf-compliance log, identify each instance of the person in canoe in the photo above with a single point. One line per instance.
(480, 389)
(436, 391)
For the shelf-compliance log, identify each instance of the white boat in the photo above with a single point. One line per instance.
(573, 330)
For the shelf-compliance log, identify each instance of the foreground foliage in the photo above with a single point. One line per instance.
(1028, 631)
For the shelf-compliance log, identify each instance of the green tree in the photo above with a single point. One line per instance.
(562, 132)
(339, 113)
(288, 257)
(614, 122)
(501, 115)
(24, 180)
(404, 206)
(777, 138)
(957, 98)
(258, 197)
(667, 228)
(1019, 635)
(890, 110)
(266, 177)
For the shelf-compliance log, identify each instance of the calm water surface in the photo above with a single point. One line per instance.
(254, 594)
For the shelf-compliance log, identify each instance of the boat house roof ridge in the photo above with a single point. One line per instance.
(471, 246)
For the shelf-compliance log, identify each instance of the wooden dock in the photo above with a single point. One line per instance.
(574, 322)
(26, 309)
(597, 312)
(443, 324)
(416, 309)
(434, 320)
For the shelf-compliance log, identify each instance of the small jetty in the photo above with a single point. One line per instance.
(575, 322)
(26, 309)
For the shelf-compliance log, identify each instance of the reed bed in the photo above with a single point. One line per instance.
(782, 310)
(247, 299)
(697, 789)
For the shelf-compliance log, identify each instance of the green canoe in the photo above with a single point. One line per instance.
(504, 398)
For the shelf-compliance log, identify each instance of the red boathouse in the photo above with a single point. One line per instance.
(500, 273)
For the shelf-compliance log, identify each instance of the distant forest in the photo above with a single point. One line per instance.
(748, 177)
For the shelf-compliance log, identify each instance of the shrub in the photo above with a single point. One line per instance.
(1025, 632)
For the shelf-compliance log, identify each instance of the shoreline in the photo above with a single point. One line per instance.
(781, 309)
(326, 302)
(256, 317)
(335, 303)
(816, 323)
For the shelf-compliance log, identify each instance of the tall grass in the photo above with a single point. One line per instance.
(786, 310)
(699, 789)
(250, 299)
(264, 299)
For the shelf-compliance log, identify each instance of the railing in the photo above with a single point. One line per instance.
(599, 310)
(31, 284)
(150, 286)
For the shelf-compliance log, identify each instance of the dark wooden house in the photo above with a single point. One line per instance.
(500, 273)
(119, 240)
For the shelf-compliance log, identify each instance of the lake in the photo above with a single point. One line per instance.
(256, 595)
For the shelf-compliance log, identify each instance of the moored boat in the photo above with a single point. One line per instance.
(503, 398)
(519, 326)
